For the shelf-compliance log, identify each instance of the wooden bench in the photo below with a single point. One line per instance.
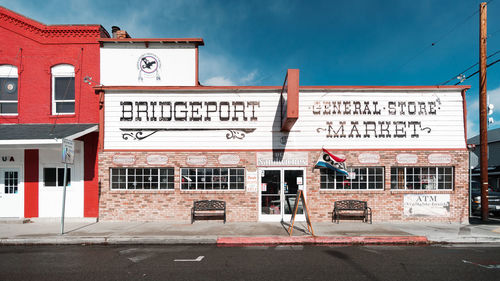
(210, 209)
(352, 208)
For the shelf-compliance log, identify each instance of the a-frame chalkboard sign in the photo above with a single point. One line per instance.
(300, 197)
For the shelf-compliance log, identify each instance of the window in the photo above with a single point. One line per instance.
(8, 90)
(359, 178)
(63, 89)
(55, 176)
(212, 178)
(11, 181)
(142, 178)
(428, 178)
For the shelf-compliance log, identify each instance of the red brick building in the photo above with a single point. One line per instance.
(44, 99)
(168, 141)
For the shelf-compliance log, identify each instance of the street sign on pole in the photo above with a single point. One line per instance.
(68, 151)
(68, 157)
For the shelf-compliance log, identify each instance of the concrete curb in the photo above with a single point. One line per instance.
(68, 240)
(321, 240)
(246, 241)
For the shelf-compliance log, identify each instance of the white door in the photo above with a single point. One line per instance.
(277, 193)
(10, 198)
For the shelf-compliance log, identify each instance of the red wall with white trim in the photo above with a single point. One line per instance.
(34, 48)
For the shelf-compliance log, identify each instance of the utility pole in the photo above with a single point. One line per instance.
(483, 129)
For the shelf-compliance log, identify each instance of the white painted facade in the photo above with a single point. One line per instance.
(11, 202)
(49, 198)
(167, 65)
(385, 119)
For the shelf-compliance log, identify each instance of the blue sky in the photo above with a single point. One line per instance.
(364, 42)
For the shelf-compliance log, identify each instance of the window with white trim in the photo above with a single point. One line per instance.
(53, 176)
(63, 89)
(8, 90)
(359, 178)
(142, 178)
(212, 178)
(422, 178)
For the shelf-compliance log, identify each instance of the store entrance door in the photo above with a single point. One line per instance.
(10, 198)
(278, 190)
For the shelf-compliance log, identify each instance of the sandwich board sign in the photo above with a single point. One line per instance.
(300, 197)
(68, 151)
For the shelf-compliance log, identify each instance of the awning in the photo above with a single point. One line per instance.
(42, 133)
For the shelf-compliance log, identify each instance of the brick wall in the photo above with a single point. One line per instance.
(175, 205)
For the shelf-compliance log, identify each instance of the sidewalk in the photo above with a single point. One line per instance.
(240, 234)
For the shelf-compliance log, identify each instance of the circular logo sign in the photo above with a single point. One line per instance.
(148, 66)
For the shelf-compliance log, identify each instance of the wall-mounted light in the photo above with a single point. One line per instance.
(88, 80)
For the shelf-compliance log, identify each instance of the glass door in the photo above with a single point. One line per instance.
(270, 190)
(278, 191)
(293, 181)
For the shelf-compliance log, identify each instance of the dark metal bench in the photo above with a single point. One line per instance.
(352, 208)
(209, 209)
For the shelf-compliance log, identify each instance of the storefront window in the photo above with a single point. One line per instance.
(359, 178)
(142, 178)
(422, 178)
(212, 178)
(55, 177)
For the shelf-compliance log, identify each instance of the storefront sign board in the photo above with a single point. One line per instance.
(405, 158)
(229, 159)
(369, 158)
(196, 160)
(121, 159)
(427, 205)
(273, 159)
(154, 159)
(439, 158)
(251, 182)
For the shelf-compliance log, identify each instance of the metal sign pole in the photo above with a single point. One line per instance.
(64, 197)
(68, 156)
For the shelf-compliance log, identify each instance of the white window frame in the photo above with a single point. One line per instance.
(181, 181)
(406, 174)
(58, 71)
(57, 167)
(157, 188)
(351, 170)
(10, 71)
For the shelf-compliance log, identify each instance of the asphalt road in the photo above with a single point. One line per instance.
(133, 262)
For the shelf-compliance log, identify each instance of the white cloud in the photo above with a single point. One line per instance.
(494, 98)
(473, 112)
(220, 70)
(471, 129)
(249, 78)
(219, 81)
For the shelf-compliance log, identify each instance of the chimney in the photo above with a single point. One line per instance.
(114, 29)
(118, 33)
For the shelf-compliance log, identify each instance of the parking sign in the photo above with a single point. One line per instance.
(68, 151)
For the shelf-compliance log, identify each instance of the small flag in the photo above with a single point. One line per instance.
(332, 162)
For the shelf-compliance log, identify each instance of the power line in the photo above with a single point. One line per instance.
(442, 37)
(477, 72)
(462, 72)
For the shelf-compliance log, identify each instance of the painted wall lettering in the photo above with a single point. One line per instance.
(397, 129)
(226, 119)
(372, 129)
(164, 111)
(8, 159)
